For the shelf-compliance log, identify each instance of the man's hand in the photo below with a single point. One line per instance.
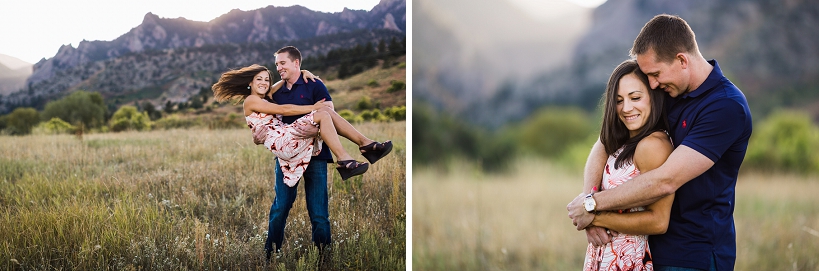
(597, 236)
(259, 135)
(578, 214)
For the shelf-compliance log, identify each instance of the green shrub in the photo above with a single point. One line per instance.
(397, 113)
(347, 114)
(438, 138)
(175, 122)
(396, 85)
(55, 126)
(230, 121)
(129, 118)
(367, 115)
(785, 141)
(372, 83)
(22, 120)
(378, 116)
(364, 103)
(550, 131)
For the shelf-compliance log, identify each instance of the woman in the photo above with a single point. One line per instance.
(634, 137)
(294, 144)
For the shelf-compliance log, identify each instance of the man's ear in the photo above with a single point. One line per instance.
(683, 59)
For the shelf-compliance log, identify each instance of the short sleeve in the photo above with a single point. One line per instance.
(716, 128)
(320, 92)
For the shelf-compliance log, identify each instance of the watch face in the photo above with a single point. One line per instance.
(589, 204)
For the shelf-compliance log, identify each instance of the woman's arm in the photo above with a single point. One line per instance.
(593, 171)
(307, 76)
(651, 153)
(256, 104)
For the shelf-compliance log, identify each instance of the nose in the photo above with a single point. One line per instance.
(627, 106)
(654, 83)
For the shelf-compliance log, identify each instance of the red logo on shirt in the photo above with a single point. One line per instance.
(684, 124)
(302, 96)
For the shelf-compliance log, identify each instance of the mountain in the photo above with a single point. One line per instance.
(770, 49)
(13, 74)
(171, 59)
(465, 51)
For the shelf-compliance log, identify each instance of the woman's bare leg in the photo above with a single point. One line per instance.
(345, 129)
(329, 135)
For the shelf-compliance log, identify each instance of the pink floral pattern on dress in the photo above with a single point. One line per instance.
(625, 252)
(294, 144)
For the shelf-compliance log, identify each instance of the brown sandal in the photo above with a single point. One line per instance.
(350, 168)
(375, 151)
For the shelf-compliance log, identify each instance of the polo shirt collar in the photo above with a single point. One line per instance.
(712, 81)
(298, 82)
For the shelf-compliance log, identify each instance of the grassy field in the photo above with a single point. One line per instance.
(185, 199)
(465, 220)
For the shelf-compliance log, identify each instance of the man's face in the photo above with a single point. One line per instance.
(669, 77)
(288, 69)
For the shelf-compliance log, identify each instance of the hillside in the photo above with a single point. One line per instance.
(768, 48)
(172, 59)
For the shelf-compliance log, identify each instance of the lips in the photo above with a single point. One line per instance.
(630, 118)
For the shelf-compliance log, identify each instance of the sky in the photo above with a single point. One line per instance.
(35, 29)
(540, 9)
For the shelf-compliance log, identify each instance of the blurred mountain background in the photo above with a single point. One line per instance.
(13, 73)
(509, 82)
(169, 61)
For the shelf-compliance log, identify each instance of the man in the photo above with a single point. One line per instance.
(710, 127)
(298, 91)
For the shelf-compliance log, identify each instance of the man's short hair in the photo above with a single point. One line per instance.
(668, 35)
(292, 51)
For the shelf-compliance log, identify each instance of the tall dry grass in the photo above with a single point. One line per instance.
(185, 199)
(466, 220)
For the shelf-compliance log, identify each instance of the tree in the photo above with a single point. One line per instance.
(196, 102)
(149, 108)
(395, 48)
(168, 107)
(21, 120)
(80, 108)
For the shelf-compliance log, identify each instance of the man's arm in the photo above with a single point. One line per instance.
(650, 154)
(683, 165)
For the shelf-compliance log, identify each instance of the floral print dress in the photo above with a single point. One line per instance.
(294, 144)
(625, 252)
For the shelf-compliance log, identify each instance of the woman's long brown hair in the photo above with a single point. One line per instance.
(614, 133)
(234, 83)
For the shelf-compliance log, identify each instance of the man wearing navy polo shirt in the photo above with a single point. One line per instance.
(710, 127)
(298, 91)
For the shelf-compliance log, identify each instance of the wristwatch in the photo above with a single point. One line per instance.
(589, 203)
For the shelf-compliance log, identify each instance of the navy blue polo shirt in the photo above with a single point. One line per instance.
(715, 121)
(304, 93)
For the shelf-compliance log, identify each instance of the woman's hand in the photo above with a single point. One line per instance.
(321, 104)
(310, 76)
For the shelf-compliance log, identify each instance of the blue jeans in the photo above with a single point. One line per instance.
(315, 188)
(675, 268)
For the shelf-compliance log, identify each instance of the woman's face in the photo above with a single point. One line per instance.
(633, 103)
(261, 83)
